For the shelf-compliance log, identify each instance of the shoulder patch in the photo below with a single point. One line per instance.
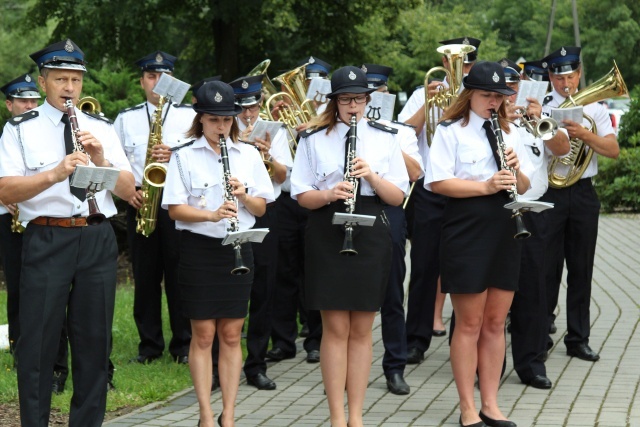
(23, 117)
(308, 132)
(136, 107)
(547, 99)
(182, 106)
(382, 127)
(395, 122)
(178, 147)
(99, 117)
(448, 122)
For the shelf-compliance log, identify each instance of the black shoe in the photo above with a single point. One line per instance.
(414, 356)
(57, 386)
(261, 382)
(278, 354)
(313, 356)
(304, 331)
(539, 381)
(215, 382)
(478, 424)
(553, 328)
(438, 332)
(496, 423)
(181, 360)
(544, 356)
(110, 386)
(397, 385)
(583, 351)
(143, 360)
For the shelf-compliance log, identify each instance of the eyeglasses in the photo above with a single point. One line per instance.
(346, 100)
(252, 108)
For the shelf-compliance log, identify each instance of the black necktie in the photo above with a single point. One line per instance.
(80, 193)
(491, 136)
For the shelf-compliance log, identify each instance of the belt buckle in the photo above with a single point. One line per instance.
(73, 221)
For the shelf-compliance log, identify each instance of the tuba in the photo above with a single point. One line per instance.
(153, 178)
(566, 171)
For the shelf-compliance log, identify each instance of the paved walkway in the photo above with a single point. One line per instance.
(603, 394)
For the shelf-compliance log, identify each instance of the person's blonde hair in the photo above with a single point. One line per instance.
(461, 108)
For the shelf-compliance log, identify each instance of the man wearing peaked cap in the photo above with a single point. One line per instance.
(275, 151)
(377, 76)
(573, 223)
(534, 70)
(512, 71)
(316, 67)
(154, 254)
(22, 94)
(77, 287)
(471, 56)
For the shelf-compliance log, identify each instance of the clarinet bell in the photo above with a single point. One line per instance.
(347, 245)
(521, 230)
(239, 268)
(95, 217)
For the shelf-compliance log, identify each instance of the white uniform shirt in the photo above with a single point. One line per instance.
(196, 171)
(133, 126)
(319, 163)
(601, 117)
(465, 152)
(37, 145)
(408, 141)
(279, 151)
(415, 103)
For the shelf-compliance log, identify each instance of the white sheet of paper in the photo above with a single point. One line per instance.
(170, 87)
(531, 89)
(85, 175)
(361, 220)
(381, 106)
(318, 90)
(261, 127)
(255, 235)
(571, 113)
(534, 206)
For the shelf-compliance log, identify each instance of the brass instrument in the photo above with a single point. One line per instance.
(566, 171)
(543, 128)
(89, 104)
(521, 231)
(239, 267)
(153, 178)
(347, 246)
(95, 217)
(16, 226)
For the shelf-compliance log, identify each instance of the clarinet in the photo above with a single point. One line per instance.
(521, 231)
(239, 267)
(347, 246)
(95, 216)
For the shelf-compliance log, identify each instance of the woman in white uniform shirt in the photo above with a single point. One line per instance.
(348, 290)
(213, 298)
(480, 259)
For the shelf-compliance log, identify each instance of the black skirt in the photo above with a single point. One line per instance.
(477, 248)
(339, 282)
(208, 290)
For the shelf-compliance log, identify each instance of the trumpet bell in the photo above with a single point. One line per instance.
(89, 104)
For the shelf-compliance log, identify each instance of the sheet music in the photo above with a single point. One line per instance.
(170, 87)
(533, 206)
(85, 175)
(571, 113)
(318, 90)
(381, 106)
(531, 89)
(255, 235)
(260, 129)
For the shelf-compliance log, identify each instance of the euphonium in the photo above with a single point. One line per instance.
(153, 178)
(95, 217)
(347, 246)
(521, 231)
(239, 267)
(566, 171)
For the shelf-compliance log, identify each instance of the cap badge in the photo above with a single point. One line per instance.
(218, 97)
(68, 46)
(27, 78)
(364, 69)
(544, 65)
(311, 60)
(159, 58)
(465, 41)
(495, 77)
(244, 84)
(504, 63)
(563, 52)
(352, 75)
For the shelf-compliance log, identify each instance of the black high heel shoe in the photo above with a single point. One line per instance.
(496, 423)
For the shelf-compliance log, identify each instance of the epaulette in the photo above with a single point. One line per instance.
(23, 117)
(182, 105)
(99, 117)
(395, 122)
(382, 127)
(547, 99)
(135, 107)
(448, 122)
(186, 144)
(308, 132)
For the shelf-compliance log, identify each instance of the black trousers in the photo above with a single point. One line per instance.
(424, 211)
(292, 220)
(265, 258)
(66, 272)
(392, 310)
(572, 232)
(11, 252)
(154, 258)
(529, 322)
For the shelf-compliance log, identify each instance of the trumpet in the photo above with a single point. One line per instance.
(543, 128)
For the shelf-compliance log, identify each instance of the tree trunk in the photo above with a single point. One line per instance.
(226, 39)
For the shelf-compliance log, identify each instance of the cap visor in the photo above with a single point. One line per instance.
(351, 89)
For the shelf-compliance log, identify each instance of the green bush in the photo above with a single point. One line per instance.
(629, 135)
(618, 181)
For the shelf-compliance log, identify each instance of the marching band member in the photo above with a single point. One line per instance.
(68, 268)
(275, 150)
(477, 234)
(572, 227)
(213, 298)
(154, 259)
(347, 290)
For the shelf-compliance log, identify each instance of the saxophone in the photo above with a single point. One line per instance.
(228, 196)
(521, 231)
(153, 178)
(347, 246)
